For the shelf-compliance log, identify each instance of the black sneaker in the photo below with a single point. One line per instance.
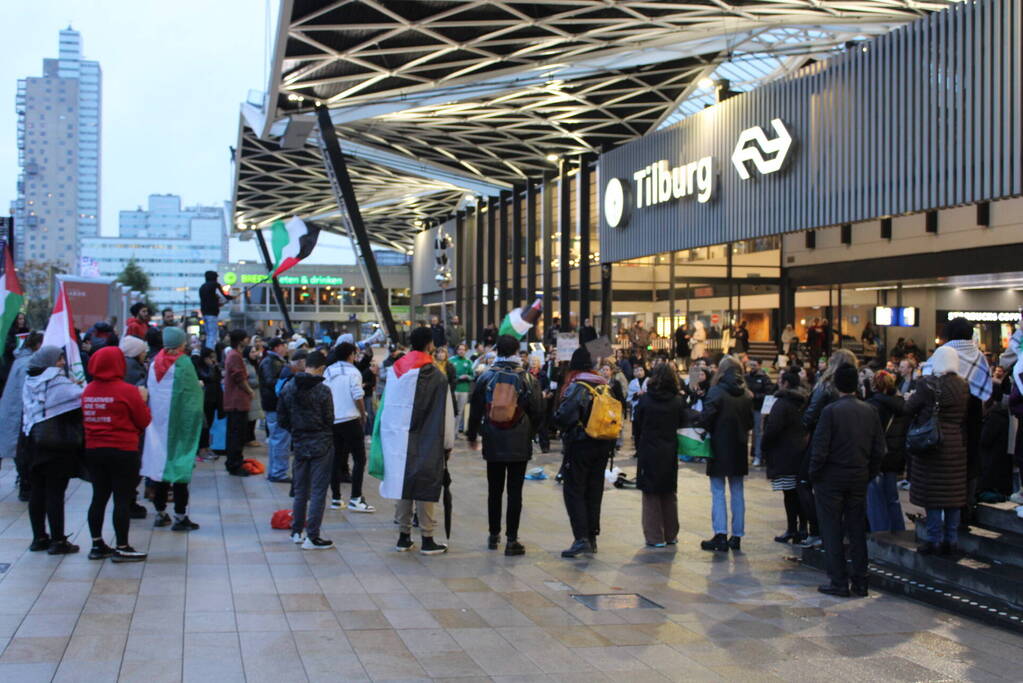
(859, 589)
(62, 547)
(514, 548)
(927, 548)
(184, 524)
(432, 548)
(719, 543)
(100, 551)
(137, 511)
(126, 553)
(580, 547)
(735, 543)
(40, 544)
(240, 472)
(404, 543)
(493, 540)
(162, 519)
(831, 589)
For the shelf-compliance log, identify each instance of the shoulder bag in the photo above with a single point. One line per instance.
(925, 437)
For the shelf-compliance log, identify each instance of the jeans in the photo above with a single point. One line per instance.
(758, 428)
(884, 511)
(310, 480)
(461, 403)
(496, 474)
(943, 519)
(348, 438)
(209, 326)
(278, 448)
(718, 511)
(112, 472)
(841, 512)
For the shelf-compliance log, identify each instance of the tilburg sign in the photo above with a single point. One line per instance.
(658, 183)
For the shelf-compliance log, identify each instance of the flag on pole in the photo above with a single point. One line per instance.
(60, 331)
(12, 293)
(291, 242)
(521, 320)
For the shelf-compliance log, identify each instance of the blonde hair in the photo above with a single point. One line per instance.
(727, 363)
(839, 357)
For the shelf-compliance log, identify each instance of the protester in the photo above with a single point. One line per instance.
(346, 387)
(440, 339)
(848, 445)
(167, 318)
(884, 511)
(507, 407)
(52, 423)
(741, 338)
(728, 418)
(415, 437)
(760, 385)
(455, 332)
(115, 416)
(278, 441)
(939, 477)
(585, 458)
(253, 355)
(305, 409)
(12, 444)
(211, 293)
(206, 369)
(658, 417)
(637, 387)
(587, 332)
(463, 384)
(18, 327)
(440, 357)
(783, 443)
(138, 324)
(237, 402)
(135, 352)
(176, 404)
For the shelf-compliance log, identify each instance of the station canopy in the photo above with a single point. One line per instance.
(436, 102)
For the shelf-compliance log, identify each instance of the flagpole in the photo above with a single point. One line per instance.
(278, 293)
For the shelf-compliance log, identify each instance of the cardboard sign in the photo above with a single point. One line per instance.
(568, 342)
(600, 348)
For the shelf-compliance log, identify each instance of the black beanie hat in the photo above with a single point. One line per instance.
(581, 359)
(846, 379)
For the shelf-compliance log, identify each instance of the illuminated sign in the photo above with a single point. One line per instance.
(986, 316)
(312, 280)
(897, 316)
(779, 147)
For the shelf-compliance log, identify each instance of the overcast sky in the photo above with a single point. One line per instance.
(174, 74)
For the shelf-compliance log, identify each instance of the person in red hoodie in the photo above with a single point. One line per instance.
(138, 324)
(115, 415)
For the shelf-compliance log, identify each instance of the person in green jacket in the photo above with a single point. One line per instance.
(463, 384)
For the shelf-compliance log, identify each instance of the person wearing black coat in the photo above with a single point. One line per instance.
(761, 387)
(848, 445)
(507, 448)
(884, 511)
(783, 443)
(728, 418)
(659, 416)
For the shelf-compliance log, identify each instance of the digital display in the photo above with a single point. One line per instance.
(897, 316)
(883, 315)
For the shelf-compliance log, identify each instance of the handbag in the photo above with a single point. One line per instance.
(925, 437)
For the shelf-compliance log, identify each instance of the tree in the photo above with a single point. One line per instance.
(133, 276)
(36, 279)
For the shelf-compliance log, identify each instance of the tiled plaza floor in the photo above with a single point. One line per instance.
(237, 601)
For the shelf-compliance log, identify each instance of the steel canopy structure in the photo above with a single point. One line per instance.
(434, 101)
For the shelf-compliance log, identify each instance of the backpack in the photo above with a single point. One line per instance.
(503, 392)
(605, 420)
(282, 382)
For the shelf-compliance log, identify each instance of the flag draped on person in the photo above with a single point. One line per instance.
(12, 293)
(291, 242)
(176, 402)
(60, 332)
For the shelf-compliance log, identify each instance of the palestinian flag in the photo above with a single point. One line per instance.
(175, 400)
(13, 296)
(407, 457)
(291, 242)
(521, 320)
(60, 332)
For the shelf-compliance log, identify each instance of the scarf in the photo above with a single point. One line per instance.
(973, 367)
(46, 395)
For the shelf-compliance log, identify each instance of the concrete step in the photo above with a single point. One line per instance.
(998, 547)
(999, 517)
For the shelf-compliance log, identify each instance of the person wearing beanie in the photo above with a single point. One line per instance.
(848, 445)
(938, 478)
(135, 351)
(585, 458)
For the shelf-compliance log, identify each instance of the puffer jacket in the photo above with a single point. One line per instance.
(574, 409)
(514, 444)
(728, 418)
(305, 408)
(938, 479)
(891, 409)
(784, 438)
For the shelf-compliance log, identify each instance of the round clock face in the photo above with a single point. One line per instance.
(614, 202)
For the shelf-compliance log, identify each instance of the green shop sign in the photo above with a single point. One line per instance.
(314, 280)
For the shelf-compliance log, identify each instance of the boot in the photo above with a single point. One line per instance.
(514, 548)
(493, 540)
(580, 547)
(719, 543)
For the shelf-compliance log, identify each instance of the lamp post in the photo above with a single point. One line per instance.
(442, 271)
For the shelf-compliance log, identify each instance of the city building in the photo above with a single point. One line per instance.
(58, 194)
(174, 245)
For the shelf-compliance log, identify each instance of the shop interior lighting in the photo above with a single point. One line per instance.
(552, 157)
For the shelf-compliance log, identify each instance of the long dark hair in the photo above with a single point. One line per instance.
(663, 379)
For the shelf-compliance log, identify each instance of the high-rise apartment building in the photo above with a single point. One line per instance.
(174, 245)
(59, 153)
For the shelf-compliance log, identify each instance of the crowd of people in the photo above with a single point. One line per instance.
(838, 438)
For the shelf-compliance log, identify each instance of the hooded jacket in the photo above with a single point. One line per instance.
(574, 409)
(269, 371)
(305, 408)
(11, 406)
(659, 416)
(113, 412)
(514, 444)
(728, 417)
(136, 328)
(784, 438)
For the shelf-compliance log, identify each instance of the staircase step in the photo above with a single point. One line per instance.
(999, 547)
(1000, 517)
(925, 589)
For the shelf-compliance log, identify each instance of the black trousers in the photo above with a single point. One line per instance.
(497, 473)
(116, 473)
(808, 507)
(842, 511)
(583, 484)
(46, 502)
(237, 433)
(795, 521)
(348, 438)
(160, 490)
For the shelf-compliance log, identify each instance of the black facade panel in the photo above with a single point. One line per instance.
(925, 117)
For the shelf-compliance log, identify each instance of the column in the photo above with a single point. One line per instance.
(531, 233)
(565, 246)
(491, 308)
(582, 220)
(517, 235)
(502, 255)
(547, 247)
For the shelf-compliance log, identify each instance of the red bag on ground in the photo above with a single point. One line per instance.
(253, 466)
(281, 519)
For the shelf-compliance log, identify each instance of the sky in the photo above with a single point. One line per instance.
(174, 75)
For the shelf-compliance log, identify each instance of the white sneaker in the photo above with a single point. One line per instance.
(757, 462)
(317, 544)
(360, 505)
(1017, 497)
(811, 542)
(337, 504)
(297, 537)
